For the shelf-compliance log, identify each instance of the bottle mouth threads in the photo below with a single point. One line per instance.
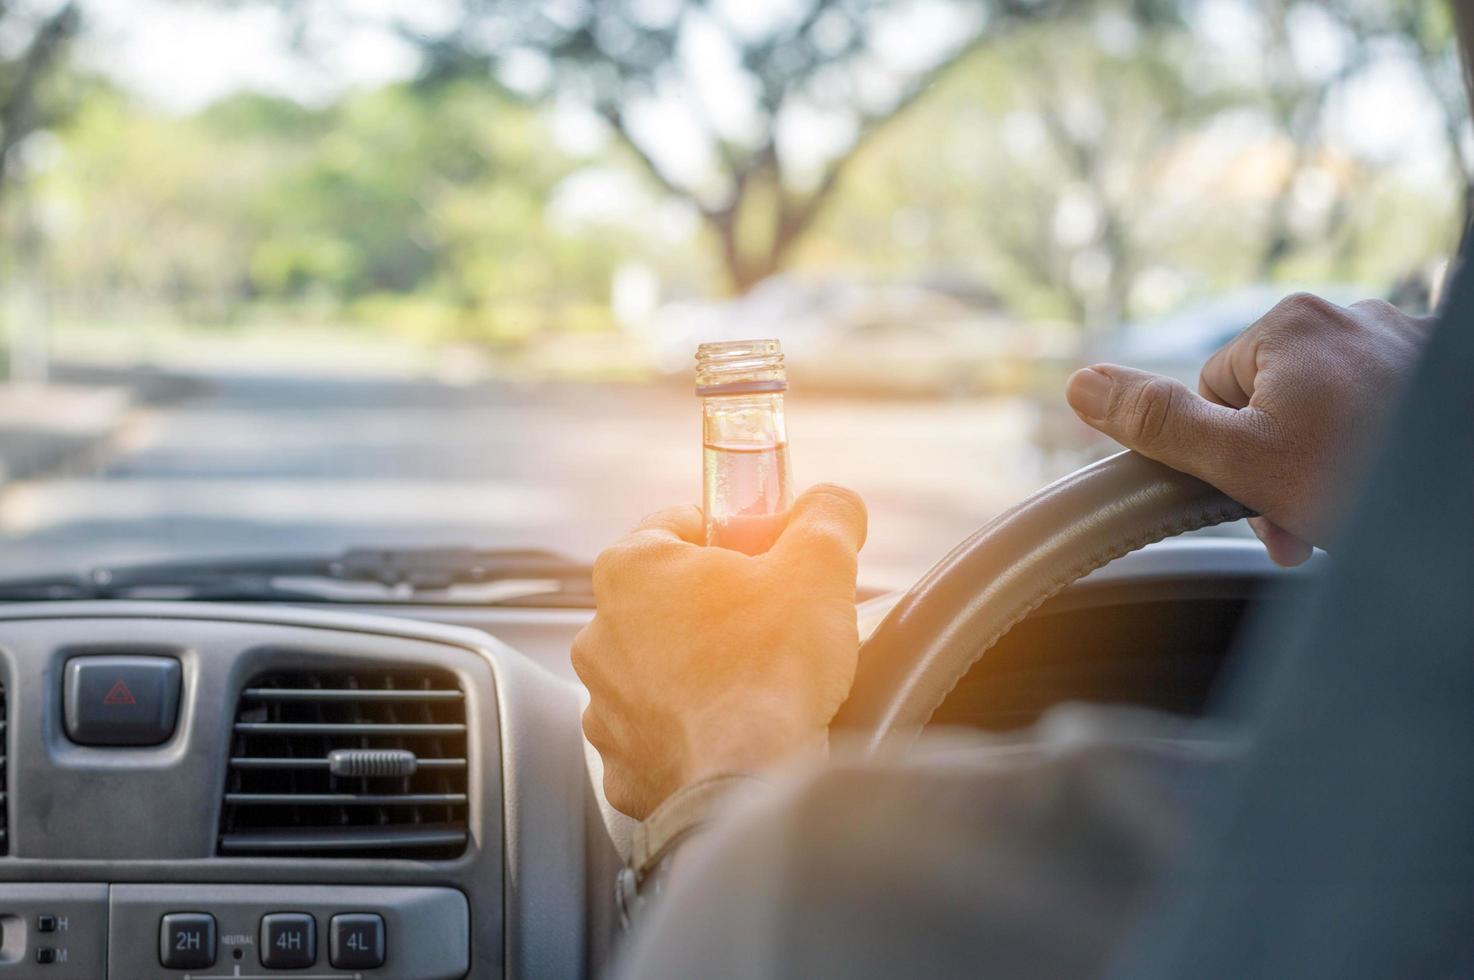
(740, 367)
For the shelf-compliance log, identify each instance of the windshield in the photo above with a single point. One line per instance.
(286, 279)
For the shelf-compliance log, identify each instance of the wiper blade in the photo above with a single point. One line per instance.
(441, 568)
(401, 571)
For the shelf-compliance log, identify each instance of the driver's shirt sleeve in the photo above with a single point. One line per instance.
(974, 856)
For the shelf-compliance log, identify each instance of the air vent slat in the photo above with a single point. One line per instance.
(326, 842)
(300, 780)
(347, 694)
(253, 762)
(344, 799)
(325, 728)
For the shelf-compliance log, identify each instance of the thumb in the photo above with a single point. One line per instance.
(827, 525)
(1163, 419)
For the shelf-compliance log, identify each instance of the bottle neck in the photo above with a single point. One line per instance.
(744, 421)
(742, 367)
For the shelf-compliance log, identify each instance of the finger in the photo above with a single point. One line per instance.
(827, 523)
(583, 654)
(1284, 548)
(1226, 379)
(1161, 418)
(1229, 377)
(680, 523)
(1392, 319)
(596, 730)
(659, 537)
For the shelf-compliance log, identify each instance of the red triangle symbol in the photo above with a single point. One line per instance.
(119, 694)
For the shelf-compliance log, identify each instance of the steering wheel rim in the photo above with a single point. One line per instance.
(959, 609)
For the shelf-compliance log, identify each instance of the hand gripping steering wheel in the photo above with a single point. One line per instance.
(949, 620)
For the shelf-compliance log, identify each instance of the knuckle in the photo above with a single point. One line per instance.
(606, 568)
(1303, 311)
(1376, 307)
(595, 730)
(618, 564)
(833, 540)
(713, 575)
(1303, 303)
(1150, 414)
(583, 654)
(578, 654)
(830, 518)
(617, 792)
(847, 498)
(823, 547)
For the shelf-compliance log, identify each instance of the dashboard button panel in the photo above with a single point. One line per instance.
(264, 928)
(55, 932)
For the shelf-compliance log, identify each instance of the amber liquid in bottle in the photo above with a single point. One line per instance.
(746, 485)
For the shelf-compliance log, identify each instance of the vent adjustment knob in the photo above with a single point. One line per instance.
(372, 763)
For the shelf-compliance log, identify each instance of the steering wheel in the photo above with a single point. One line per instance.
(949, 620)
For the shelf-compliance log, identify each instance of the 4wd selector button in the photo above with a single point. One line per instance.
(356, 941)
(121, 700)
(288, 940)
(187, 941)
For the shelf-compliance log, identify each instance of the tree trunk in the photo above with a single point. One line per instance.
(745, 270)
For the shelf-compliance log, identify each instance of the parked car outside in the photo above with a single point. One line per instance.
(1178, 343)
(896, 338)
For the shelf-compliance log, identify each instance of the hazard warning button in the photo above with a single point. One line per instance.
(121, 700)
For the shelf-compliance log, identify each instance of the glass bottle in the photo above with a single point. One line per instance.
(747, 489)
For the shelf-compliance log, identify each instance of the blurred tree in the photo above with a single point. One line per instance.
(1099, 169)
(1107, 115)
(749, 113)
(1301, 87)
(1428, 28)
(1099, 164)
(398, 203)
(122, 176)
(35, 43)
(1055, 158)
(429, 189)
(1298, 95)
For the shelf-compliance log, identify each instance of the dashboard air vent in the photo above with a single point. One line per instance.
(347, 763)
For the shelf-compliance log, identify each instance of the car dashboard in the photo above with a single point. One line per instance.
(309, 790)
(403, 793)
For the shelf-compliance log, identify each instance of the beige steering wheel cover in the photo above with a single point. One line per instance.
(934, 634)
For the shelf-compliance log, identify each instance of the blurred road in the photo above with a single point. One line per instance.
(246, 464)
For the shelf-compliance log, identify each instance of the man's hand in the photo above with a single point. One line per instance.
(701, 660)
(1283, 415)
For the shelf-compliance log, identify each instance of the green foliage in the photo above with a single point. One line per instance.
(400, 191)
(1178, 179)
(1077, 169)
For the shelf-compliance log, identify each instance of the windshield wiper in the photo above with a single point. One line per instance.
(359, 575)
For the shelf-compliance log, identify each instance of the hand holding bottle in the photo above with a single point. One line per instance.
(703, 660)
